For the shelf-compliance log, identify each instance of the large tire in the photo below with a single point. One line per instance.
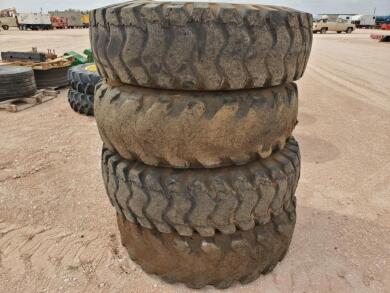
(81, 103)
(16, 82)
(202, 201)
(200, 46)
(219, 260)
(82, 79)
(52, 78)
(195, 129)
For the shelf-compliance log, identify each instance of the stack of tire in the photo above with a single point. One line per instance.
(52, 78)
(196, 113)
(16, 82)
(83, 79)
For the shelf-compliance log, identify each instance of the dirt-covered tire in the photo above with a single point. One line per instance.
(16, 82)
(52, 78)
(219, 260)
(200, 46)
(82, 79)
(202, 201)
(195, 129)
(81, 103)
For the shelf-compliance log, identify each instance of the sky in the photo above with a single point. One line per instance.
(312, 6)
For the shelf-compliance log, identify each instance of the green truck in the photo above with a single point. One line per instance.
(8, 18)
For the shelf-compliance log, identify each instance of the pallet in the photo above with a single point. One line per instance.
(381, 38)
(46, 65)
(20, 104)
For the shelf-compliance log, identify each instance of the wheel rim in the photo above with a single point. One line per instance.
(91, 68)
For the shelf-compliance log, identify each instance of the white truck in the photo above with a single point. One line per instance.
(364, 21)
(341, 25)
(34, 21)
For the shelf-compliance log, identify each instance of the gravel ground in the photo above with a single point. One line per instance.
(58, 231)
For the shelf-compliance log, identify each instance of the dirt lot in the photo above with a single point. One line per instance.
(58, 230)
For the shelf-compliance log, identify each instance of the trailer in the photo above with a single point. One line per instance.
(382, 20)
(364, 21)
(34, 21)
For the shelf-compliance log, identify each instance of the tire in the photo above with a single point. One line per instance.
(202, 201)
(16, 82)
(219, 260)
(82, 79)
(339, 32)
(52, 78)
(349, 30)
(80, 102)
(5, 27)
(195, 129)
(200, 46)
(323, 31)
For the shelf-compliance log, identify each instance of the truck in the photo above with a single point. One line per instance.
(34, 21)
(8, 18)
(75, 17)
(59, 22)
(364, 21)
(86, 20)
(382, 20)
(341, 25)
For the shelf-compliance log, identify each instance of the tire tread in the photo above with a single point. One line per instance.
(206, 202)
(81, 103)
(253, 45)
(219, 260)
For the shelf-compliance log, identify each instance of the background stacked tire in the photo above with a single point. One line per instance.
(83, 79)
(52, 78)
(16, 82)
(196, 114)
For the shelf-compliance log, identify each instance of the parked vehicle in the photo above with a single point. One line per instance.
(341, 25)
(34, 21)
(85, 20)
(385, 26)
(59, 22)
(8, 18)
(364, 21)
(382, 20)
(75, 17)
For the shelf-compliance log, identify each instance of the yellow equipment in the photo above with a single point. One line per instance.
(85, 20)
